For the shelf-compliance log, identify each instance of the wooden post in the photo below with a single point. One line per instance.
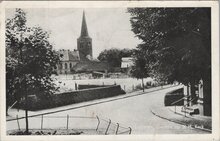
(143, 84)
(130, 130)
(117, 129)
(18, 123)
(133, 87)
(67, 122)
(76, 86)
(98, 123)
(106, 132)
(41, 121)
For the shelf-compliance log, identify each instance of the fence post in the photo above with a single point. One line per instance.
(133, 87)
(67, 122)
(175, 108)
(76, 86)
(117, 128)
(18, 122)
(41, 121)
(98, 123)
(107, 127)
(130, 130)
(103, 83)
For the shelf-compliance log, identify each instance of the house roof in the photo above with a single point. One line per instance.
(68, 55)
(91, 65)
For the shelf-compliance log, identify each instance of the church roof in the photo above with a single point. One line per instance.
(68, 55)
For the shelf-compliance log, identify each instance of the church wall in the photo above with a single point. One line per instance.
(65, 67)
(84, 45)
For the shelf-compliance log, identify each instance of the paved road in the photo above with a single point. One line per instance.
(130, 112)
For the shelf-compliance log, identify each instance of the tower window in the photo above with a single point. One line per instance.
(70, 65)
(65, 65)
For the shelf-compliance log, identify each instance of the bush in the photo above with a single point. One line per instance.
(173, 96)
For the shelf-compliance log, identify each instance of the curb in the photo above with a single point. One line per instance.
(93, 103)
(181, 123)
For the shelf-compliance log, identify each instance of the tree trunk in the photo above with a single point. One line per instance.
(143, 84)
(26, 100)
(26, 113)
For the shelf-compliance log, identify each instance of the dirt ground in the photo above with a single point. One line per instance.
(55, 132)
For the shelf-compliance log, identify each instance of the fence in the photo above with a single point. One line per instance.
(70, 124)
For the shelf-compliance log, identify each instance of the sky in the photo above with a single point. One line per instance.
(108, 27)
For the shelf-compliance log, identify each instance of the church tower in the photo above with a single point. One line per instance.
(84, 42)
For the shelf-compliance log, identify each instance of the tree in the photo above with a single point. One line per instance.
(30, 61)
(141, 67)
(180, 41)
(113, 56)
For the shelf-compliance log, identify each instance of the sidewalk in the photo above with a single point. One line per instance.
(21, 113)
(196, 121)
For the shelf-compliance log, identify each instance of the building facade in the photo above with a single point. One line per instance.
(126, 64)
(68, 60)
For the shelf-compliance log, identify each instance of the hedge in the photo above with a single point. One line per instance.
(173, 96)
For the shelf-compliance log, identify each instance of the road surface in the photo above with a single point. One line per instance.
(134, 112)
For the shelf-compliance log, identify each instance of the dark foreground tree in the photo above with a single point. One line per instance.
(180, 41)
(30, 61)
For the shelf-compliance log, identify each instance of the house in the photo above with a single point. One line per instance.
(126, 64)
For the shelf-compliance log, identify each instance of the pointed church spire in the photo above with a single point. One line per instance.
(84, 30)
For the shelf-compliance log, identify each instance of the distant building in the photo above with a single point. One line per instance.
(68, 60)
(126, 64)
(81, 60)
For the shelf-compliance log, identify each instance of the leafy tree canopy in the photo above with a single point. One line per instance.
(30, 59)
(113, 56)
(177, 39)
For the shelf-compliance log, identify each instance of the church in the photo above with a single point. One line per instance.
(81, 60)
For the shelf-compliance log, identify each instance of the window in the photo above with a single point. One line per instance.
(70, 65)
(61, 66)
(65, 65)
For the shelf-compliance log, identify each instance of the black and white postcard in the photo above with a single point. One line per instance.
(126, 70)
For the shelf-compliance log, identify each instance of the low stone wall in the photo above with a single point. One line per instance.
(81, 87)
(73, 97)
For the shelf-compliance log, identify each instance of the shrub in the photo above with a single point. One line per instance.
(173, 96)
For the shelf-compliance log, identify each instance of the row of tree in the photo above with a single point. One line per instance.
(176, 45)
(113, 56)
